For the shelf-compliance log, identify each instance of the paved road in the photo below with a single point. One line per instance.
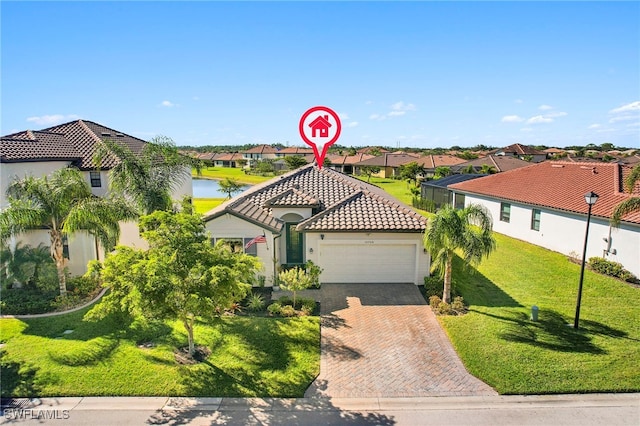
(579, 410)
(383, 340)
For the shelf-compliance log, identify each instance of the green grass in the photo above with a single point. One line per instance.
(203, 205)
(231, 173)
(499, 344)
(251, 356)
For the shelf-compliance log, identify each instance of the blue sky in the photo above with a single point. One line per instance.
(413, 74)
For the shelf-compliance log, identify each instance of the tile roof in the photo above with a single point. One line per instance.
(36, 146)
(261, 149)
(229, 157)
(388, 160)
(348, 159)
(450, 180)
(518, 149)
(370, 149)
(433, 161)
(82, 135)
(295, 150)
(501, 163)
(339, 202)
(559, 185)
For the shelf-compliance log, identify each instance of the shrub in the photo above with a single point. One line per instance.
(613, 269)
(443, 309)
(23, 302)
(307, 303)
(255, 303)
(458, 306)
(275, 308)
(434, 301)
(306, 311)
(288, 311)
(284, 300)
(432, 286)
(82, 285)
(313, 271)
(294, 280)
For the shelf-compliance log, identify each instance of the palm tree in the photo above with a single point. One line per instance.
(468, 230)
(469, 169)
(488, 169)
(149, 177)
(631, 204)
(63, 204)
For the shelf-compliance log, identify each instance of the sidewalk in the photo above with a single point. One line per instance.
(583, 410)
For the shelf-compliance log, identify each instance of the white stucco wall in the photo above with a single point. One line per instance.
(564, 232)
(229, 226)
(9, 172)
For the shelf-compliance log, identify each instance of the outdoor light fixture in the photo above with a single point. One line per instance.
(310, 249)
(322, 236)
(590, 199)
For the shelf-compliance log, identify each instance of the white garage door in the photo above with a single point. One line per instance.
(367, 263)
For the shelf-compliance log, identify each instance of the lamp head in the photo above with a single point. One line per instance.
(591, 198)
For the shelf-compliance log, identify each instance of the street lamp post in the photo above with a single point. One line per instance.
(590, 199)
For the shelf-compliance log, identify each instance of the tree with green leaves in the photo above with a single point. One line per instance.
(411, 172)
(442, 171)
(62, 204)
(294, 280)
(295, 161)
(469, 169)
(23, 265)
(181, 276)
(150, 176)
(230, 186)
(468, 230)
(368, 171)
(487, 169)
(631, 204)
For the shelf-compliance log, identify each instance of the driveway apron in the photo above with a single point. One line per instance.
(383, 340)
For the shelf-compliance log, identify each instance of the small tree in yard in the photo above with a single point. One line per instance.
(181, 276)
(230, 186)
(411, 172)
(369, 170)
(293, 280)
(295, 161)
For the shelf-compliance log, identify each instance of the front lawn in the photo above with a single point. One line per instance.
(236, 174)
(399, 189)
(499, 344)
(251, 356)
(203, 205)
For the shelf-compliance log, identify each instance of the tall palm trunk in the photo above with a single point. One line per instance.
(446, 294)
(57, 253)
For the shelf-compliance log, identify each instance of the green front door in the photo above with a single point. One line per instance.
(295, 245)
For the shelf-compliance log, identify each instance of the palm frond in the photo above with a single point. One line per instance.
(626, 207)
(632, 179)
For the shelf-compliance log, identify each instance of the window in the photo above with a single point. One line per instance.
(459, 201)
(535, 219)
(95, 179)
(505, 212)
(252, 250)
(237, 245)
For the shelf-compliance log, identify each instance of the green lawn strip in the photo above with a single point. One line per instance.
(395, 187)
(231, 173)
(203, 205)
(251, 356)
(499, 343)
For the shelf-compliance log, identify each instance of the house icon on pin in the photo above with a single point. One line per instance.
(320, 124)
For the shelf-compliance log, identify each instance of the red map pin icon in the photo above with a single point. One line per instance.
(320, 128)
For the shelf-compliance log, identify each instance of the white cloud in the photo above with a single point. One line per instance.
(623, 118)
(343, 116)
(52, 120)
(401, 106)
(377, 117)
(512, 119)
(396, 113)
(518, 101)
(167, 104)
(633, 106)
(352, 124)
(545, 107)
(539, 119)
(594, 126)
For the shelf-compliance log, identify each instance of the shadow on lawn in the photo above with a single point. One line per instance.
(258, 365)
(17, 379)
(477, 289)
(555, 332)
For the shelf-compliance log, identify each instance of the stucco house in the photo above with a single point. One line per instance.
(258, 153)
(39, 153)
(544, 204)
(353, 230)
(522, 152)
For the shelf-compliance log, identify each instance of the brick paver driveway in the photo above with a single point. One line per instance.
(383, 340)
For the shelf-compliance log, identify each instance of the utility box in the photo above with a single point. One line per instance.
(534, 313)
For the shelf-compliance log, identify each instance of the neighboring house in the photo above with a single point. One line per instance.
(437, 191)
(373, 150)
(258, 153)
(522, 152)
(294, 150)
(40, 153)
(389, 163)
(227, 159)
(353, 230)
(554, 152)
(497, 163)
(544, 205)
(431, 162)
(345, 163)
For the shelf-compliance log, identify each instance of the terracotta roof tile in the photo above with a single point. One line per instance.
(433, 161)
(261, 149)
(325, 190)
(501, 163)
(558, 185)
(37, 146)
(294, 150)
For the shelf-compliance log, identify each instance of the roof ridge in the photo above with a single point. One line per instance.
(92, 135)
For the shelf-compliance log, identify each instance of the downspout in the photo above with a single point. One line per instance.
(275, 261)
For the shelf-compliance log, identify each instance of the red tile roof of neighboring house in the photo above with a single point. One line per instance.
(518, 149)
(433, 161)
(554, 151)
(261, 149)
(348, 159)
(229, 157)
(559, 185)
(294, 150)
(340, 202)
(388, 160)
(84, 136)
(369, 149)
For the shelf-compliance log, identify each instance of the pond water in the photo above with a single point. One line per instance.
(209, 188)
